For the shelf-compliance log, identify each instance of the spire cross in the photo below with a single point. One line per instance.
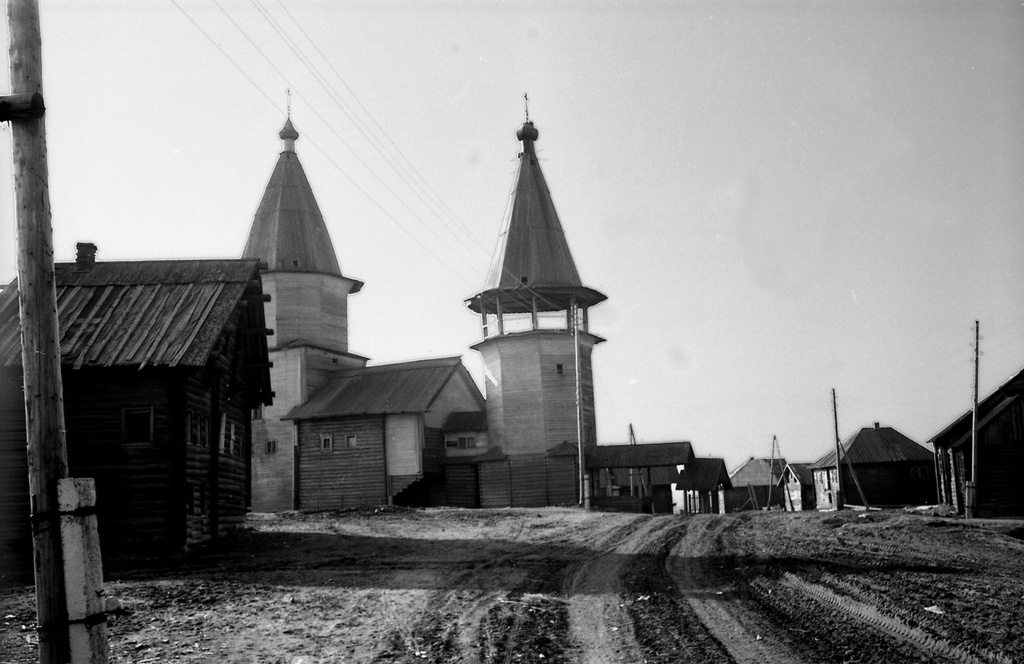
(526, 103)
(288, 94)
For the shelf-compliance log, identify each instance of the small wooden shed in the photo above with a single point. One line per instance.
(1000, 491)
(797, 482)
(888, 469)
(162, 362)
(636, 477)
(700, 486)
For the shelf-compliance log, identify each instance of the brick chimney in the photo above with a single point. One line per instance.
(86, 256)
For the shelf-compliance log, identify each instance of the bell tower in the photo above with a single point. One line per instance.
(537, 345)
(307, 311)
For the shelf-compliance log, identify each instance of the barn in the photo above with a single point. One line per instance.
(162, 362)
(375, 435)
(755, 485)
(636, 477)
(1000, 454)
(700, 487)
(881, 467)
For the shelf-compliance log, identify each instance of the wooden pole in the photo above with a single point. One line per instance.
(839, 466)
(971, 508)
(40, 341)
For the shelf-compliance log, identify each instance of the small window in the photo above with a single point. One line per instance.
(257, 412)
(236, 439)
(452, 443)
(559, 368)
(204, 430)
(467, 442)
(326, 442)
(295, 263)
(350, 441)
(195, 425)
(137, 425)
(523, 279)
(271, 447)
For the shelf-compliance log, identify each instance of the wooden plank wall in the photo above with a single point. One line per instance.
(342, 478)
(1001, 464)
(495, 484)
(461, 483)
(563, 480)
(529, 479)
(15, 530)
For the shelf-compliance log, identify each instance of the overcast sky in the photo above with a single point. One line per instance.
(778, 198)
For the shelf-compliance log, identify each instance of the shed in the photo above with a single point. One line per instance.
(700, 486)
(755, 485)
(636, 477)
(162, 362)
(797, 482)
(1000, 491)
(373, 435)
(888, 469)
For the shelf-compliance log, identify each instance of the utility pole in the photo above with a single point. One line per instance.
(40, 341)
(839, 467)
(584, 494)
(776, 452)
(972, 487)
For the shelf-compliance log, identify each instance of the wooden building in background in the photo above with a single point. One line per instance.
(534, 318)
(701, 486)
(308, 313)
(374, 435)
(798, 483)
(637, 478)
(755, 485)
(881, 468)
(162, 362)
(1000, 491)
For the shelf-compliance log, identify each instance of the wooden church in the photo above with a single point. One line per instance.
(340, 433)
(536, 350)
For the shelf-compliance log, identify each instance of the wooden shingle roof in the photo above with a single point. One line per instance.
(875, 445)
(136, 314)
(288, 231)
(405, 387)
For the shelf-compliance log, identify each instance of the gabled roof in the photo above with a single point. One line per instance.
(958, 431)
(875, 445)
(802, 472)
(288, 231)
(405, 387)
(475, 420)
(704, 475)
(135, 314)
(754, 472)
(642, 455)
(533, 254)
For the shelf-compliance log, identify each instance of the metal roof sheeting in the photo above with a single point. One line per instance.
(406, 387)
(876, 445)
(642, 455)
(147, 313)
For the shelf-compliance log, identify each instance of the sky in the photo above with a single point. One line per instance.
(779, 198)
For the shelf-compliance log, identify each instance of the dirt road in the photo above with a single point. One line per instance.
(563, 585)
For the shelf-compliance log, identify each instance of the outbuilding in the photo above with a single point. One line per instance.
(162, 362)
(636, 477)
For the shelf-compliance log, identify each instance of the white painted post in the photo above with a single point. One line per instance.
(83, 570)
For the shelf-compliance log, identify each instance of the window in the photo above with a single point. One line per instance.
(452, 443)
(257, 412)
(204, 430)
(137, 425)
(271, 447)
(350, 441)
(236, 439)
(326, 442)
(195, 425)
(559, 369)
(467, 442)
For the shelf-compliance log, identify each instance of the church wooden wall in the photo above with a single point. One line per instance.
(307, 307)
(341, 478)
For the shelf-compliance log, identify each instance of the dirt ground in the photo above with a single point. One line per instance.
(560, 585)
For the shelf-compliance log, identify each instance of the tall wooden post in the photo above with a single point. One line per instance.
(839, 465)
(971, 497)
(40, 343)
